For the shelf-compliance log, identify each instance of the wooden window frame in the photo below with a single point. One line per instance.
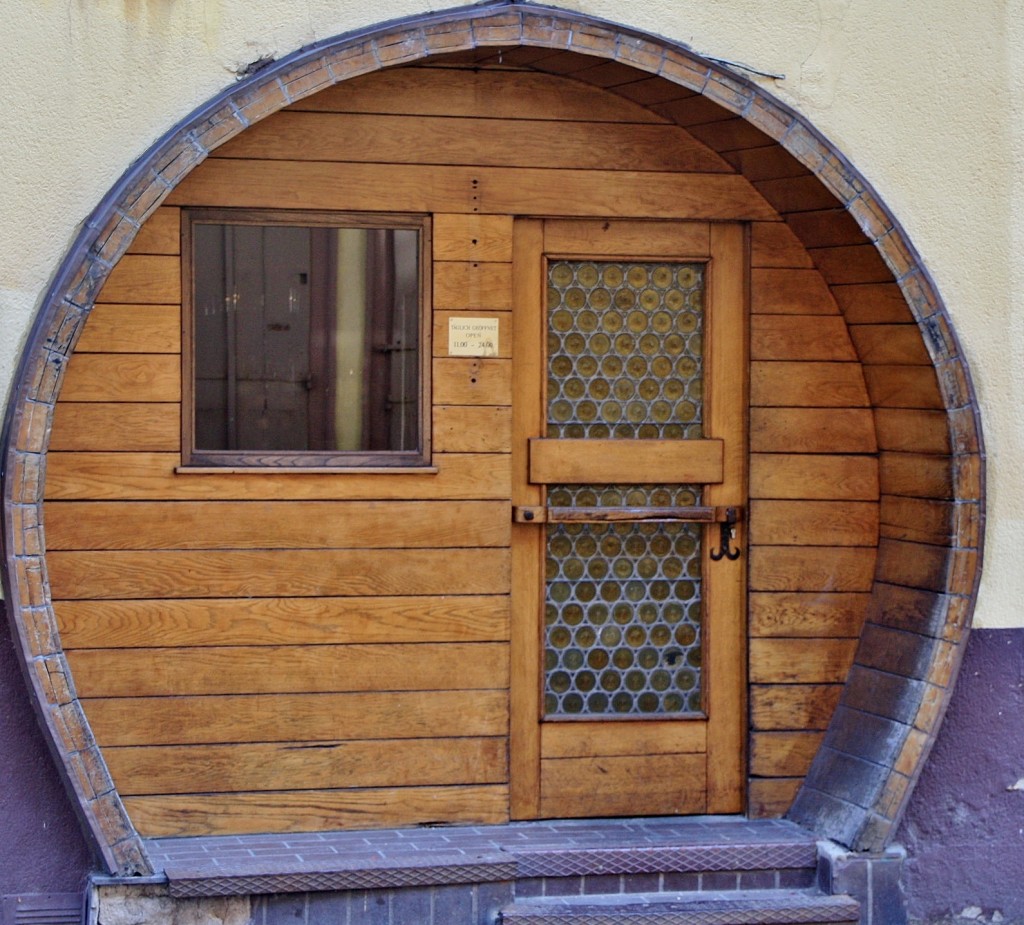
(363, 461)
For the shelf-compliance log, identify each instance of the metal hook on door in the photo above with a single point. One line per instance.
(726, 533)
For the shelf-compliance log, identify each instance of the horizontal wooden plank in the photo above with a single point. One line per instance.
(913, 430)
(903, 387)
(625, 461)
(122, 377)
(467, 286)
(282, 621)
(429, 139)
(814, 523)
(160, 233)
(496, 94)
(923, 520)
(781, 707)
(812, 430)
(678, 240)
(767, 163)
(144, 279)
(443, 318)
(800, 337)
(873, 303)
(496, 190)
(271, 573)
(297, 717)
(298, 669)
(103, 476)
(851, 263)
(890, 343)
(770, 797)
(131, 329)
(811, 568)
(789, 613)
(276, 524)
(807, 385)
(800, 661)
(316, 811)
(773, 244)
(833, 227)
(472, 429)
(782, 475)
(730, 134)
(472, 237)
(623, 786)
(790, 292)
(302, 766)
(116, 426)
(797, 194)
(916, 475)
(595, 739)
(472, 381)
(783, 754)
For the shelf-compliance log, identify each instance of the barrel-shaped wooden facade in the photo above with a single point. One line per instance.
(275, 650)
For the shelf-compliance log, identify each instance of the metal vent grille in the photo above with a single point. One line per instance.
(43, 909)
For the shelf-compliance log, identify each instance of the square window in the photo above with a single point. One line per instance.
(306, 339)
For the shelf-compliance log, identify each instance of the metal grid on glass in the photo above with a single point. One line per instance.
(625, 349)
(623, 607)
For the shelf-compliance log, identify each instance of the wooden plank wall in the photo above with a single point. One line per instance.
(270, 651)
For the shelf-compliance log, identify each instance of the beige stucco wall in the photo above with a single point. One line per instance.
(924, 97)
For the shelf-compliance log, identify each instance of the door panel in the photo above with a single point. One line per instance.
(628, 656)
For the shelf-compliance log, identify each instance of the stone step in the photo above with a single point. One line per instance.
(735, 907)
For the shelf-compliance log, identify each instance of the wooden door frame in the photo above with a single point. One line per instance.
(727, 292)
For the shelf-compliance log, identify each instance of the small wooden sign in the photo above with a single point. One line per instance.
(472, 337)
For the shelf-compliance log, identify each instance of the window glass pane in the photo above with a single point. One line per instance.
(306, 338)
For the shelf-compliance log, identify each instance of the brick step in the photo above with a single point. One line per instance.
(734, 907)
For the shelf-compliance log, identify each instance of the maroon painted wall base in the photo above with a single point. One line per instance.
(964, 827)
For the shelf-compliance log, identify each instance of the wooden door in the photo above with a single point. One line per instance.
(629, 462)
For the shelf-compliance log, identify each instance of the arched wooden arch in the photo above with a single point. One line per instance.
(929, 553)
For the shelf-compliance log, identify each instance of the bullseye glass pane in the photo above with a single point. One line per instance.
(623, 607)
(623, 611)
(625, 350)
